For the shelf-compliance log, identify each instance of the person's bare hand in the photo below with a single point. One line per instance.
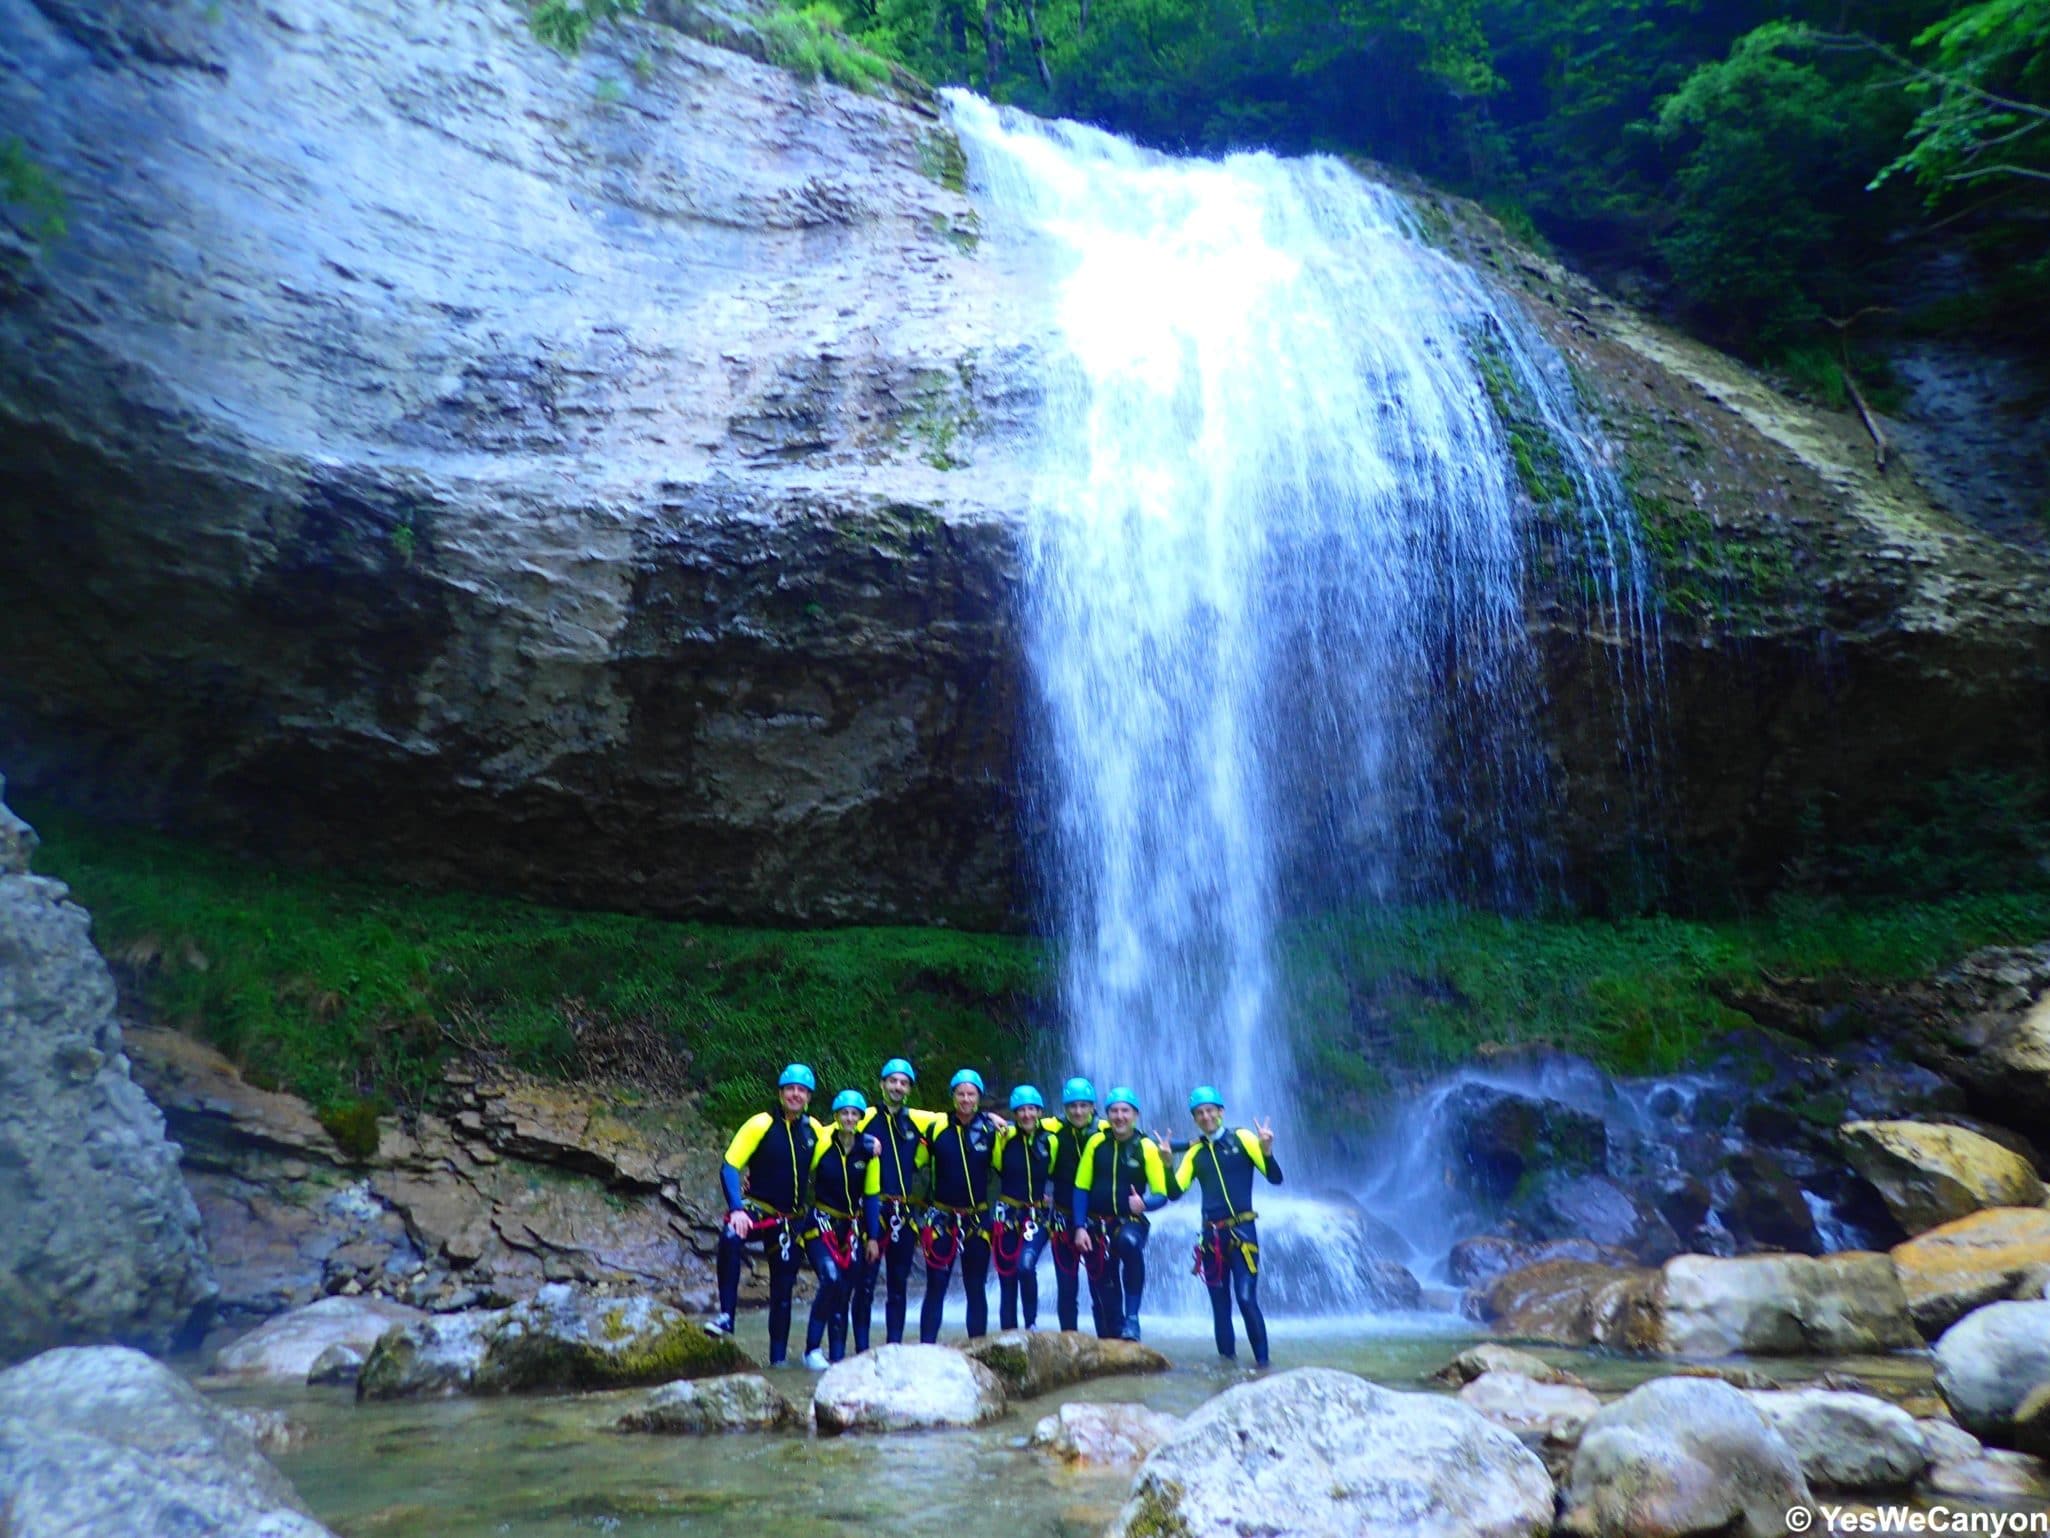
(1084, 1242)
(875, 1250)
(739, 1224)
(1265, 1129)
(1135, 1204)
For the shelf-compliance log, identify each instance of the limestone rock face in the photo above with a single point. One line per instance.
(1778, 1305)
(1847, 1441)
(1981, 1258)
(906, 1388)
(1034, 1362)
(1678, 1456)
(285, 1349)
(1931, 1174)
(742, 1401)
(99, 1440)
(99, 1239)
(1103, 1435)
(1992, 1363)
(1988, 1026)
(1317, 1451)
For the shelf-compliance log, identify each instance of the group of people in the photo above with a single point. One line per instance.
(879, 1185)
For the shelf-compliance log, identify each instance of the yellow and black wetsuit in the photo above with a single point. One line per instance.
(1111, 1171)
(906, 1138)
(845, 1184)
(1228, 1253)
(767, 1174)
(955, 1222)
(1068, 1143)
(1020, 1219)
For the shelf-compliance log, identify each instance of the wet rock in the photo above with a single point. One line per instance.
(1572, 1303)
(273, 1431)
(1548, 1418)
(1596, 1208)
(104, 1440)
(1489, 1357)
(1945, 1441)
(1317, 1451)
(1847, 1441)
(99, 1238)
(1991, 1364)
(1980, 1258)
(1779, 1305)
(906, 1388)
(1478, 1259)
(1103, 1435)
(1387, 1285)
(285, 1349)
(1499, 1138)
(337, 1365)
(742, 1401)
(1994, 1476)
(1931, 1173)
(1762, 1206)
(1681, 1456)
(435, 1357)
(1034, 1362)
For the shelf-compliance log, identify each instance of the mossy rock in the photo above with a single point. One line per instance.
(566, 1341)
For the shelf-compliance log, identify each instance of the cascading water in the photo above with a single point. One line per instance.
(1277, 586)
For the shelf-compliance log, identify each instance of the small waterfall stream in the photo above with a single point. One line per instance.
(1277, 584)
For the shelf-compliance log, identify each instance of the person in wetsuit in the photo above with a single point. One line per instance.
(1020, 1207)
(847, 1217)
(905, 1135)
(766, 1182)
(1121, 1179)
(956, 1218)
(1079, 1123)
(1223, 1163)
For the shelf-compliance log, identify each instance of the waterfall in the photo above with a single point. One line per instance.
(1277, 579)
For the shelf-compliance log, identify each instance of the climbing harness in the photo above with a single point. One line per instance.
(1213, 1257)
(765, 1223)
(1008, 1240)
(840, 1235)
(944, 1229)
(1066, 1258)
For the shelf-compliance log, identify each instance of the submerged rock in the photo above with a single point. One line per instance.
(1782, 1305)
(1980, 1258)
(99, 1238)
(1034, 1362)
(906, 1388)
(1991, 1365)
(1931, 1173)
(1317, 1451)
(436, 1356)
(1103, 1435)
(1682, 1456)
(102, 1440)
(1488, 1357)
(285, 1349)
(741, 1401)
(1847, 1441)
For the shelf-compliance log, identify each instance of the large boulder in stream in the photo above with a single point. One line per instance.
(1993, 1367)
(285, 1349)
(1575, 1303)
(1103, 1435)
(1034, 1362)
(741, 1401)
(906, 1388)
(99, 1441)
(1982, 1258)
(1847, 1441)
(1931, 1173)
(99, 1238)
(1783, 1305)
(1315, 1451)
(1681, 1456)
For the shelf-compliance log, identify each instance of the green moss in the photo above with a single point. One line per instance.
(1727, 577)
(941, 159)
(811, 41)
(353, 1126)
(1158, 1511)
(944, 415)
(963, 234)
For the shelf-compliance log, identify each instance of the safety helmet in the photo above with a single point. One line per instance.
(1025, 1094)
(966, 1076)
(1119, 1095)
(797, 1073)
(1205, 1094)
(849, 1100)
(1078, 1089)
(898, 1065)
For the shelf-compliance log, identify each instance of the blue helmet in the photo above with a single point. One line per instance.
(1205, 1094)
(898, 1065)
(1025, 1094)
(849, 1100)
(1119, 1095)
(797, 1073)
(1078, 1089)
(966, 1076)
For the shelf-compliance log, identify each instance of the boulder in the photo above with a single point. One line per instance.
(1991, 1363)
(1680, 1456)
(1931, 1173)
(1489, 1357)
(1317, 1451)
(1979, 1258)
(1103, 1435)
(741, 1401)
(1995, 1476)
(1387, 1285)
(1762, 1206)
(1499, 1138)
(2032, 1423)
(906, 1388)
(1485, 1256)
(1847, 1441)
(1779, 1305)
(99, 1238)
(337, 1364)
(1548, 1418)
(285, 1349)
(103, 1440)
(1573, 1303)
(1947, 1442)
(1560, 1205)
(1034, 1362)
(561, 1339)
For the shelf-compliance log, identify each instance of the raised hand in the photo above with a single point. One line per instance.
(1265, 1129)
(1164, 1144)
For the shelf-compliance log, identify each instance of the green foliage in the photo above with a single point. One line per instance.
(565, 25)
(1985, 102)
(31, 188)
(1970, 831)
(812, 42)
(353, 1126)
(346, 990)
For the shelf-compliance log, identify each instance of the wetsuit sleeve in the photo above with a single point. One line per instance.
(1185, 1171)
(1156, 1178)
(1085, 1176)
(872, 1214)
(738, 1152)
(818, 1154)
(1263, 1161)
(996, 1153)
(930, 1123)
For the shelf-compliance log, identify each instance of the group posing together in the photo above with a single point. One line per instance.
(862, 1194)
